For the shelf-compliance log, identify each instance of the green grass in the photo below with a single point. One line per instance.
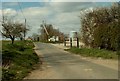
(22, 58)
(93, 52)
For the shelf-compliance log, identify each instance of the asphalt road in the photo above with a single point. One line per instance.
(59, 64)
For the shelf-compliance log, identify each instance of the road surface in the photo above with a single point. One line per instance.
(59, 64)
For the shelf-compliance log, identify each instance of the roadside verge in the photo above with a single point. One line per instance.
(110, 63)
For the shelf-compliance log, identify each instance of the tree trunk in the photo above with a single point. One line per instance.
(21, 38)
(12, 40)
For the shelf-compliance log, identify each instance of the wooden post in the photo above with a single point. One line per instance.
(71, 42)
(34, 39)
(37, 38)
(25, 30)
(118, 47)
(77, 42)
(64, 42)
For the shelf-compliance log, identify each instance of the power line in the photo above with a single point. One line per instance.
(21, 9)
(2, 14)
(22, 12)
(24, 18)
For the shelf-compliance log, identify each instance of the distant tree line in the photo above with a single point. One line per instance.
(101, 27)
(51, 32)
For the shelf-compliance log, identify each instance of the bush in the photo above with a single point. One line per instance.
(100, 28)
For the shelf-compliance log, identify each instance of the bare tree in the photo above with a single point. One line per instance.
(51, 32)
(12, 30)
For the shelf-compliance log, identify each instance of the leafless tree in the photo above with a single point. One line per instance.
(12, 29)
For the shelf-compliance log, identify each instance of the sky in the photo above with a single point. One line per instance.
(62, 14)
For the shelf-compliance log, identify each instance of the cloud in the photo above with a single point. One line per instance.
(32, 12)
(66, 21)
(34, 16)
(25, 0)
(84, 0)
(0, 13)
(7, 13)
(69, 7)
(9, 4)
(60, 19)
(66, 18)
(59, 0)
(61, 14)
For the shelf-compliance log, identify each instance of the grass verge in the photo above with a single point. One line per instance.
(17, 59)
(93, 52)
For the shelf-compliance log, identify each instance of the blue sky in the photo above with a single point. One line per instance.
(15, 5)
(63, 15)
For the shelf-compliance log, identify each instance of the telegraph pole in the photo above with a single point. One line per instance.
(2, 14)
(44, 26)
(25, 30)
